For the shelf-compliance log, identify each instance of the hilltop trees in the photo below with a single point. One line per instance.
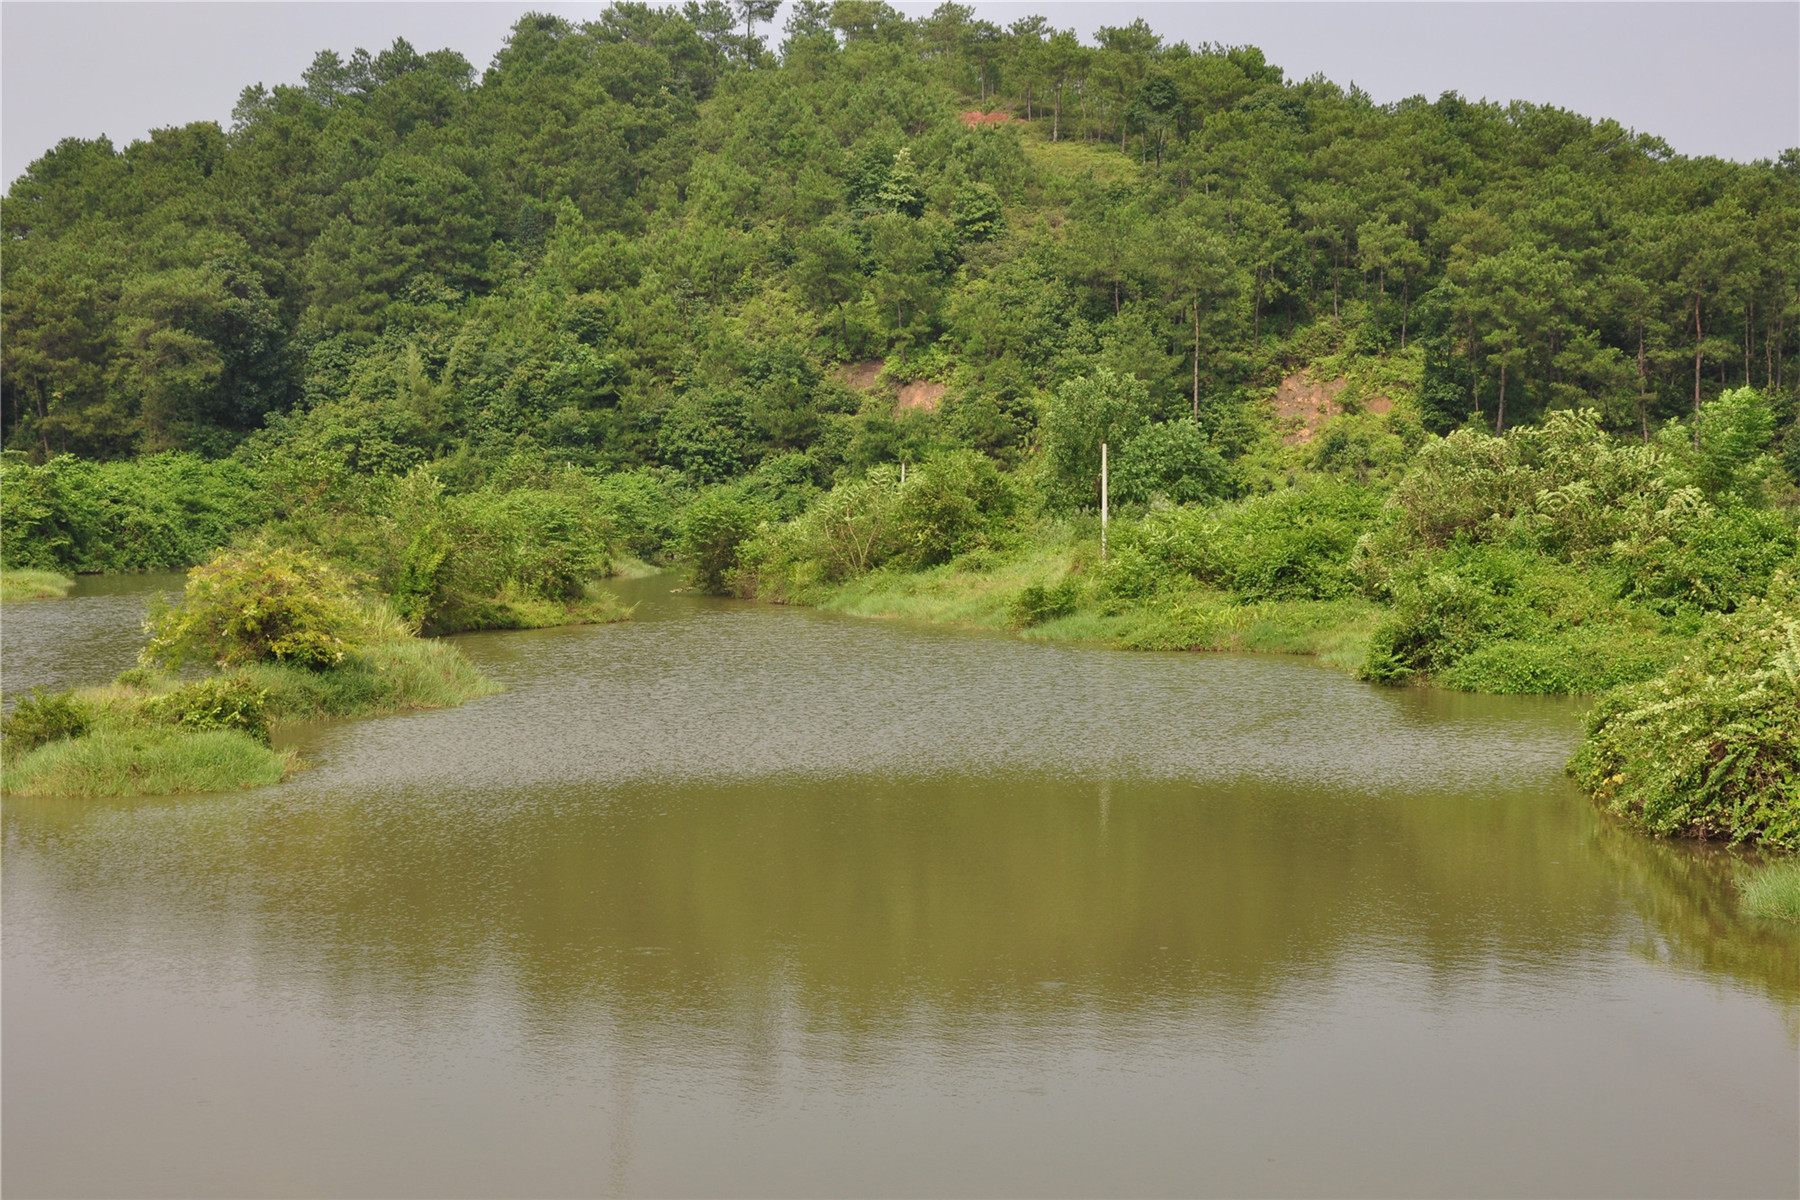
(585, 250)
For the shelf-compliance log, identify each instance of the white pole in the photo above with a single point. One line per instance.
(902, 474)
(1103, 491)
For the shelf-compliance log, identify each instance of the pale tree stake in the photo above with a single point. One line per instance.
(1102, 501)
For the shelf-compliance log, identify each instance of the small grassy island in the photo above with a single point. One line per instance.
(33, 585)
(1487, 397)
(282, 636)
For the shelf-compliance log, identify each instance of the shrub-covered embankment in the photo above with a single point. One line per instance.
(1710, 749)
(286, 637)
(1554, 559)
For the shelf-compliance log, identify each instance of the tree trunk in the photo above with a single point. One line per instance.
(1256, 312)
(1115, 297)
(1550, 369)
(1749, 318)
(1196, 358)
(1500, 414)
(1768, 360)
(1696, 362)
(43, 420)
(1643, 387)
(1405, 287)
(1056, 115)
(1474, 371)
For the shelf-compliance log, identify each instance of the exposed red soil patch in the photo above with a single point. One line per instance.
(861, 375)
(919, 396)
(1302, 405)
(972, 119)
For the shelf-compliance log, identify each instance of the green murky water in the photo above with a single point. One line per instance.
(754, 901)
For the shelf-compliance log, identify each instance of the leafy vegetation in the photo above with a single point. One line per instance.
(1492, 396)
(70, 515)
(265, 605)
(1710, 749)
(44, 717)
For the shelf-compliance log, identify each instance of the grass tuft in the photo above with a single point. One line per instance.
(33, 585)
(1773, 891)
(147, 761)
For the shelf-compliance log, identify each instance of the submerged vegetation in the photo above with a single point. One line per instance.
(1492, 397)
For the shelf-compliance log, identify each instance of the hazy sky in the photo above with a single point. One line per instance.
(1711, 77)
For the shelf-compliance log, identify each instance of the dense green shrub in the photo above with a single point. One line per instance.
(948, 505)
(169, 510)
(712, 529)
(219, 702)
(262, 604)
(1707, 559)
(1711, 749)
(951, 504)
(1102, 407)
(1727, 452)
(1295, 544)
(639, 509)
(1036, 603)
(1174, 460)
(44, 717)
(1566, 487)
(1560, 559)
(1568, 661)
(1496, 618)
(1571, 491)
(452, 561)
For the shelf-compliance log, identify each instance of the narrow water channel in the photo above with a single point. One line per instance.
(734, 899)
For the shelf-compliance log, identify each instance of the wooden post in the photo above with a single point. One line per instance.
(1103, 497)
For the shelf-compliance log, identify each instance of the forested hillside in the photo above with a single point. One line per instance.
(648, 240)
(1493, 396)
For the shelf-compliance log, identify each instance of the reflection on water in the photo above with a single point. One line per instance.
(733, 899)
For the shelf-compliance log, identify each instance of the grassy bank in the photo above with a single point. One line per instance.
(33, 585)
(1059, 592)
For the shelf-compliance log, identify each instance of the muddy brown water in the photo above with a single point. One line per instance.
(740, 900)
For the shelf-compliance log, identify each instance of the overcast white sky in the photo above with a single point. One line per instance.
(1711, 77)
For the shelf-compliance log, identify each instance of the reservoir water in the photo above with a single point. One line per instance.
(744, 900)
